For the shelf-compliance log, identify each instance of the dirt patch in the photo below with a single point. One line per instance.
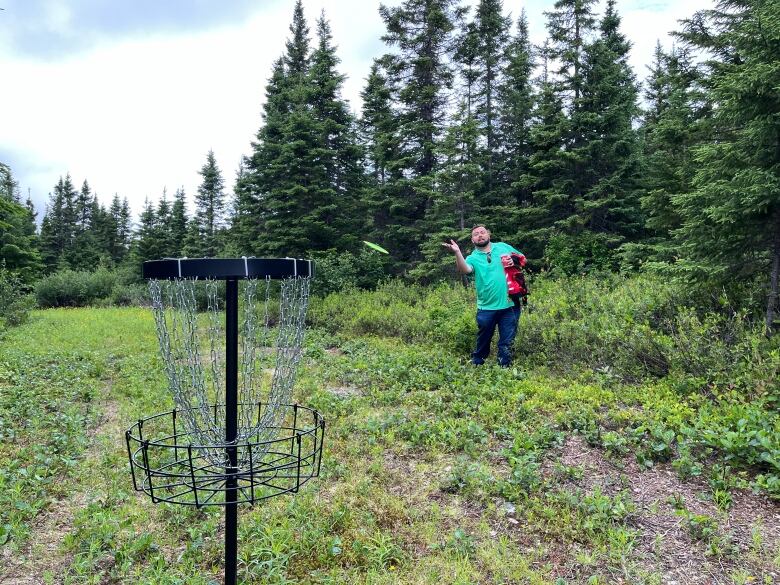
(344, 391)
(745, 538)
(42, 555)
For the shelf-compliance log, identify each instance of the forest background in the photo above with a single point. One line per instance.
(557, 148)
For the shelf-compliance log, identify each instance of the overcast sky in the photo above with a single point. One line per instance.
(132, 95)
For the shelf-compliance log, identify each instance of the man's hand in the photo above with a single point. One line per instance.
(460, 263)
(452, 246)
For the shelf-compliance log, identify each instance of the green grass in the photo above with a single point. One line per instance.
(434, 471)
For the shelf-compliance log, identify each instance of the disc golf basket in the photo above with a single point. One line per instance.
(234, 436)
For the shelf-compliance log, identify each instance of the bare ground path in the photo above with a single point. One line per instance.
(42, 560)
(744, 543)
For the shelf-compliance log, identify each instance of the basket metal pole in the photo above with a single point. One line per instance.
(231, 430)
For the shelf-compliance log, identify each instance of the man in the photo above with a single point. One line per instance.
(494, 307)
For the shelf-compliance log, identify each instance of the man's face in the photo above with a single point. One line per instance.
(480, 237)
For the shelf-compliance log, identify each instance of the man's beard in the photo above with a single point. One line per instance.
(487, 242)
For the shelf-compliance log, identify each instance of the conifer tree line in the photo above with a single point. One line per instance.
(557, 147)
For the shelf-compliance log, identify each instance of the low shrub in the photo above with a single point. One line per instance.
(414, 313)
(69, 288)
(340, 271)
(126, 295)
(628, 328)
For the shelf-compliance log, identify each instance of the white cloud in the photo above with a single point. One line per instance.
(137, 116)
(57, 16)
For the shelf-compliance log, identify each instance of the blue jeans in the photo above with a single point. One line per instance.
(487, 321)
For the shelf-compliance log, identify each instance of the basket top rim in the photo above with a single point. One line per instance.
(245, 267)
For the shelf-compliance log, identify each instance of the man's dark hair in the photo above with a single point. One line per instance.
(479, 225)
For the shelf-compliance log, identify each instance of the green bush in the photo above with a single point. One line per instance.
(627, 328)
(585, 252)
(126, 295)
(338, 271)
(69, 288)
(15, 300)
(442, 314)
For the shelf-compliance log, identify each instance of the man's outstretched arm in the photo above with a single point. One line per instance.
(460, 262)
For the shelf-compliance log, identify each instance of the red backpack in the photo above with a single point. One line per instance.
(515, 277)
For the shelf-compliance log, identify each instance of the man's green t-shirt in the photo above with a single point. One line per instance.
(489, 277)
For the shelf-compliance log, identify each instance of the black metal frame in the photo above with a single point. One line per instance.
(186, 479)
(169, 467)
(228, 268)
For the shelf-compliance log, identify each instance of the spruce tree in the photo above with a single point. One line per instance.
(301, 201)
(178, 224)
(9, 187)
(30, 228)
(147, 244)
(209, 209)
(262, 169)
(124, 228)
(47, 242)
(570, 25)
(111, 229)
(164, 226)
(18, 243)
(515, 104)
(673, 124)
(336, 214)
(59, 225)
(422, 32)
(117, 230)
(283, 164)
(465, 57)
(592, 205)
(731, 220)
(458, 201)
(243, 220)
(547, 202)
(378, 126)
(492, 30)
(84, 253)
(102, 228)
(301, 185)
(609, 200)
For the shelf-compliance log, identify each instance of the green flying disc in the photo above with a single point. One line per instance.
(376, 247)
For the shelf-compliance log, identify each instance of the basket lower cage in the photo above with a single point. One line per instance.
(169, 467)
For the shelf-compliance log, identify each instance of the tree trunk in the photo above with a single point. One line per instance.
(771, 303)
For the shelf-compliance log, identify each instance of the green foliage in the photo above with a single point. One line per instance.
(577, 254)
(15, 300)
(45, 402)
(713, 376)
(419, 75)
(209, 212)
(429, 463)
(736, 187)
(340, 271)
(397, 309)
(69, 288)
(299, 188)
(18, 240)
